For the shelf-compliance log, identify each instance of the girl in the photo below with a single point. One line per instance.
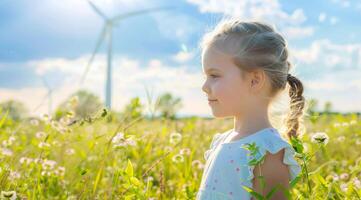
(246, 66)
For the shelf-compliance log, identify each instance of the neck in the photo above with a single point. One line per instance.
(252, 122)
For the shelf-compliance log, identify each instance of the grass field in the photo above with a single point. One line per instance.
(103, 158)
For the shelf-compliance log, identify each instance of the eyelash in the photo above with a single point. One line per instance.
(214, 76)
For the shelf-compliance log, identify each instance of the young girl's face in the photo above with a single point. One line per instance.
(227, 92)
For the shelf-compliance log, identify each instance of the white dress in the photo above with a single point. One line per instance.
(227, 170)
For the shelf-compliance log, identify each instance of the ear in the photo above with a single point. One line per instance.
(257, 80)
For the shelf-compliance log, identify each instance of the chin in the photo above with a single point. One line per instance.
(218, 115)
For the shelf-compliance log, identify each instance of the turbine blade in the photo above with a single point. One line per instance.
(97, 10)
(99, 42)
(140, 12)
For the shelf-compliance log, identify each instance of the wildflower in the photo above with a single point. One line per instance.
(353, 122)
(356, 183)
(60, 171)
(198, 164)
(358, 141)
(6, 152)
(34, 122)
(11, 195)
(25, 160)
(336, 124)
(119, 140)
(175, 137)
(48, 164)
(344, 176)
(70, 151)
(344, 187)
(320, 138)
(9, 142)
(178, 158)
(40, 134)
(341, 138)
(168, 148)
(43, 145)
(185, 151)
(14, 175)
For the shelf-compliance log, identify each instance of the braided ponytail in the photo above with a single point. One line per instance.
(297, 104)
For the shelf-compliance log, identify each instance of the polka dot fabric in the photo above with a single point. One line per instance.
(227, 170)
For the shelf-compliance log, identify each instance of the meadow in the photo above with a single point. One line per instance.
(106, 157)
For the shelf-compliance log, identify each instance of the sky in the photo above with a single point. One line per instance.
(48, 43)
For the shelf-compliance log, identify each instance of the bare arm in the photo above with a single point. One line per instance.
(274, 172)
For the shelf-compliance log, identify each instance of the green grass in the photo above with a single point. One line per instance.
(47, 160)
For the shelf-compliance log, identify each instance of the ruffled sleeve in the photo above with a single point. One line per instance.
(274, 146)
(217, 138)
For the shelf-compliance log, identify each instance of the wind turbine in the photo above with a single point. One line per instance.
(107, 31)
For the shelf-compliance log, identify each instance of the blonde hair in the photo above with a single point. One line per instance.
(254, 45)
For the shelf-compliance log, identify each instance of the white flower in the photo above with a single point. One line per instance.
(344, 187)
(198, 164)
(119, 140)
(344, 176)
(60, 171)
(185, 151)
(70, 151)
(175, 137)
(40, 134)
(6, 152)
(341, 138)
(11, 195)
(320, 138)
(118, 137)
(178, 158)
(357, 183)
(353, 122)
(14, 175)
(48, 164)
(25, 160)
(34, 122)
(335, 177)
(43, 145)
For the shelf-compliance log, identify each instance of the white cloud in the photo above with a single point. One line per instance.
(326, 54)
(343, 3)
(298, 32)
(322, 17)
(335, 70)
(183, 56)
(129, 79)
(268, 10)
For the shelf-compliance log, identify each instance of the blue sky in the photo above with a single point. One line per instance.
(54, 39)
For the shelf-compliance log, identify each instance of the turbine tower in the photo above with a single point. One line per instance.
(107, 32)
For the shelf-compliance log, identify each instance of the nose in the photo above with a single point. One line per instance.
(205, 87)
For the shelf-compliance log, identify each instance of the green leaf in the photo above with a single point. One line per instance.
(134, 181)
(253, 193)
(270, 193)
(294, 181)
(129, 169)
(4, 118)
(99, 175)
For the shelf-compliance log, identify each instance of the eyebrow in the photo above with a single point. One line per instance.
(212, 69)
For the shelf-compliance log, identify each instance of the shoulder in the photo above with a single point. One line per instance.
(274, 157)
(275, 175)
(217, 138)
